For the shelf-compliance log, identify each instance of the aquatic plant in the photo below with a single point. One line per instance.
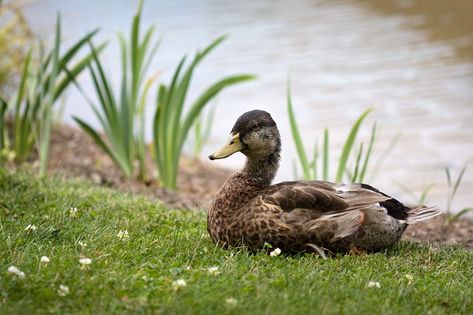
(311, 168)
(452, 191)
(41, 84)
(122, 116)
(171, 125)
(202, 129)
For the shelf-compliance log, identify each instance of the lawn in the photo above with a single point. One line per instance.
(168, 264)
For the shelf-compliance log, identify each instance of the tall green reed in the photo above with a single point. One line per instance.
(41, 84)
(171, 125)
(453, 186)
(316, 169)
(202, 129)
(122, 116)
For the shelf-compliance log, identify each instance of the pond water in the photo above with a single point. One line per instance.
(410, 60)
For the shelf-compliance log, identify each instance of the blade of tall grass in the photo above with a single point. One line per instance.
(357, 164)
(349, 144)
(23, 137)
(297, 137)
(171, 124)
(75, 69)
(453, 187)
(202, 129)
(43, 126)
(368, 154)
(425, 193)
(458, 215)
(3, 128)
(314, 165)
(326, 160)
(121, 115)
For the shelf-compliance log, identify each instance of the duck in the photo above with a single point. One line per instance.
(298, 216)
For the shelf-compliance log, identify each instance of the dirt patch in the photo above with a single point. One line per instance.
(437, 233)
(73, 153)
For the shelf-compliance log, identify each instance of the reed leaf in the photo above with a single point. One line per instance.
(297, 137)
(326, 160)
(368, 153)
(458, 215)
(348, 145)
(171, 123)
(121, 115)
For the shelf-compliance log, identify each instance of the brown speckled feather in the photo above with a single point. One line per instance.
(288, 215)
(298, 215)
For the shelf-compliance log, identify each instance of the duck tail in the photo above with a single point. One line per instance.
(421, 213)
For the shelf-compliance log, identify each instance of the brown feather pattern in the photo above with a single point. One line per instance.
(300, 215)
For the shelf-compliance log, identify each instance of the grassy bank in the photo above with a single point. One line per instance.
(164, 263)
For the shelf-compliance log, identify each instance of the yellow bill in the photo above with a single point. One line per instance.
(233, 145)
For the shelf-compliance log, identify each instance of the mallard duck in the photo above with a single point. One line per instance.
(298, 216)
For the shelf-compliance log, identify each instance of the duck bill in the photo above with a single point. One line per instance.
(233, 145)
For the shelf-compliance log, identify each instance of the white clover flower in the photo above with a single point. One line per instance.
(213, 270)
(231, 301)
(275, 252)
(82, 244)
(63, 290)
(44, 259)
(123, 235)
(85, 262)
(410, 279)
(73, 212)
(179, 283)
(31, 227)
(374, 284)
(15, 271)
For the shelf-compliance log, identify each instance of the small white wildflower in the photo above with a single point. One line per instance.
(179, 283)
(15, 271)
(188, 268)
(44, 259)
(63, 290)
(410, 279)
(374, 284)
(82, 244)
(123, 235)
(73, 211)
(213, 270)
(231, 301)
(31, 227)
(275, 252)
(85, 262)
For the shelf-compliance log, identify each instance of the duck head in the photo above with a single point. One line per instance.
(254, 134)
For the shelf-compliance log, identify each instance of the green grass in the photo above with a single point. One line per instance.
(136, 275)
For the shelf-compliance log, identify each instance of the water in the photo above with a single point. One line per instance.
(411, 61)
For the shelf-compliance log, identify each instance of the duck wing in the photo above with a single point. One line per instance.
(318, 196)
(321, 196)
(323, 211)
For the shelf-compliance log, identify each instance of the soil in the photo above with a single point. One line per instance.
(73, 153)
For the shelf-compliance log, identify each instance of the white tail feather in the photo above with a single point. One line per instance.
(422, 213)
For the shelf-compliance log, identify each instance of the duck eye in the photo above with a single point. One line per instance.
(256, 128)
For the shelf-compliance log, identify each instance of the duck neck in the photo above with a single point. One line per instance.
(262, 169)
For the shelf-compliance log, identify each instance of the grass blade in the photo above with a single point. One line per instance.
(297, 137)
(357, 164)
(75, 71)
(368, 154)
(349, 144)
(459, 214)
(326, 160)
